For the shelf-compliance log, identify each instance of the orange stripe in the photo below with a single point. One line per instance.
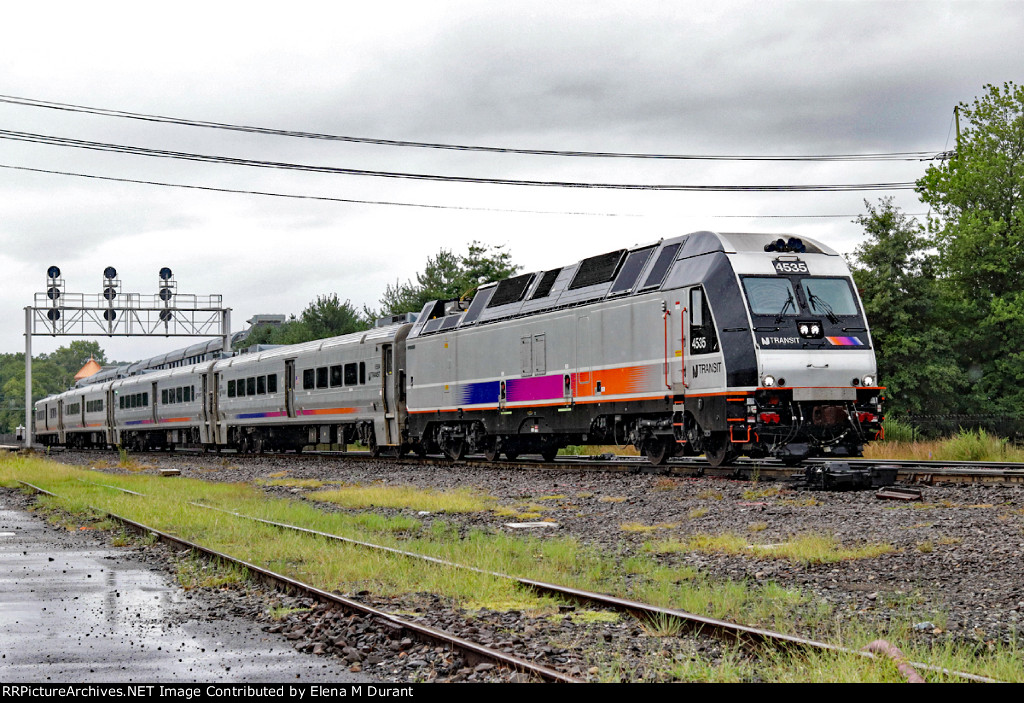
(330, 411)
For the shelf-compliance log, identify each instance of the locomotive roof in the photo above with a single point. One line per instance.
(623, 272)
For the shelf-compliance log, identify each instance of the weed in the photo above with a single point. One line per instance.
(757, 494)
(640, 527)
(808, 502)
(612, 499)
(757, 527)
(709, 494)
(294, 482)
(199, 573)
(807, 549)
(461, 500)
(697, 512)
(661, 625)
(281, 612)
(926, 547)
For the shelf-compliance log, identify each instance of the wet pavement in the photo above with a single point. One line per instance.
(74, 611)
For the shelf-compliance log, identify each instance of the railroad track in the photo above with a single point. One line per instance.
(744, 634)
(471, 650)
(922, 472)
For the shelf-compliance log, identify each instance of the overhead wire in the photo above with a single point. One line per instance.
(325, 198)
(68, 107)
(256, 163)
(314, 197)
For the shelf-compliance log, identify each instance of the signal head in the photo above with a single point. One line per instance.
(110, 273)
(165, 274)
(53, 272)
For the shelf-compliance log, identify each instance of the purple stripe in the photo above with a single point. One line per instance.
(539, 388)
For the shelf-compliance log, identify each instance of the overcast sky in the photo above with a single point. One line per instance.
(671, 78)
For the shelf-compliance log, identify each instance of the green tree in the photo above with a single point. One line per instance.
(51, 373)
(448, 275)
(905, 305)
(328, 317)
(979, 230)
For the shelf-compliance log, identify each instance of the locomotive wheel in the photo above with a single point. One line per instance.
(491, 452)
(720, 451)
(455, 449)
(512, 456)
(658, 451)
(549, 453)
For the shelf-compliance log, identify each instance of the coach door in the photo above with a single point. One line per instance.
(289, 387)
(387, 395)
(111, 428)
(207, 411)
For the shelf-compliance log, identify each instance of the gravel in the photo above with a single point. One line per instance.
(954, 570)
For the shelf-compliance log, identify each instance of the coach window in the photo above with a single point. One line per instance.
(163, 396)
(145, 400)
(179, 394)
(231, 389)
(272, 383)
(362, 373)
(703, 338)
(321, 377)
(261, 385)
(241, 388)
(351, 374)
(250, 385)
(335, 375)
(308, 379)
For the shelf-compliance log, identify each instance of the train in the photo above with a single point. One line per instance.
(721, 344)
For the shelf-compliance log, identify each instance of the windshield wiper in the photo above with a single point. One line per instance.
(789, 301)
(815, 301)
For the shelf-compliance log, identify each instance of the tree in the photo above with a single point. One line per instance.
(979, 231)
(51, 373)
(328, 317)
(904, 303)
(447, 276)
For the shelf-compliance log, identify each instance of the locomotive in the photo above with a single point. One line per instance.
(721, 344)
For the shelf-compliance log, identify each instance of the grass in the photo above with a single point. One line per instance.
(966, 445)
(805, 549)
(460, 500)
(294, 482)
(201, 573)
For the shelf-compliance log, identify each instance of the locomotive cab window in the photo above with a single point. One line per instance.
(703, 337)
(771, 296)
(828, 296)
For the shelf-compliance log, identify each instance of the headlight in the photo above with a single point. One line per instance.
(768, 381)
(869, 380)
